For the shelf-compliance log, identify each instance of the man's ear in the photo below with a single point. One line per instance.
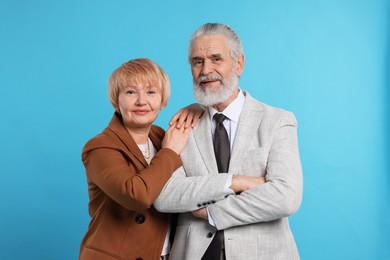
(240, 65)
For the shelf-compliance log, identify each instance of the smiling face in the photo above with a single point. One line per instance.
(138, 90)
(139, 104)
(214, 71)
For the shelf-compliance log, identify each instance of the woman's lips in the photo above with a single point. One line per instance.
(140, 111)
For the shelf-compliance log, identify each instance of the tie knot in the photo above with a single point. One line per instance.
(219, 118)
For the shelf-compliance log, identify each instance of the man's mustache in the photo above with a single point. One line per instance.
(209, 78)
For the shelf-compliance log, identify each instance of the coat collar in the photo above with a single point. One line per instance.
(117, 127)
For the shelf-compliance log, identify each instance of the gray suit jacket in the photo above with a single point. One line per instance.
(255, 222)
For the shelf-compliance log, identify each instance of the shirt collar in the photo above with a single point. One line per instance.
(233, 110)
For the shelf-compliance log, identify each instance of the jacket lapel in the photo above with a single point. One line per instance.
(204, 142)
(248, 124)
(250, 118)
(117, 127)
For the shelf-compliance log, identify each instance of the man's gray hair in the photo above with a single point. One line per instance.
(234, 42)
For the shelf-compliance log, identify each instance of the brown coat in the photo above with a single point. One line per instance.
(122, 188)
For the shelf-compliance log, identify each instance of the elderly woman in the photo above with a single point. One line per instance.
(127, 166)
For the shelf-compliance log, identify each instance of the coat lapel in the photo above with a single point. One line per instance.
(250, 118)
(204, 142)
(248, 124)
(117, 127)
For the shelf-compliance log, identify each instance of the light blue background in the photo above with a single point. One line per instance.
(327, 61)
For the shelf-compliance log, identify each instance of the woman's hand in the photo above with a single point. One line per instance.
(176, 138)
(241, 183)
(188, 116)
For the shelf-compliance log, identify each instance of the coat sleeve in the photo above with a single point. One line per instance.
(192, 188)
(280, 196)
(118, 177)
(185, 194)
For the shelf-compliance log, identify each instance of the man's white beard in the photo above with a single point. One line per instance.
(209, 97)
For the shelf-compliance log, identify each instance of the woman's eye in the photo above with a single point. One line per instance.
(151, 92)
(131, 92)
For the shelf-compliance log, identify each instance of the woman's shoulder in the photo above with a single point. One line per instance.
(106, 139)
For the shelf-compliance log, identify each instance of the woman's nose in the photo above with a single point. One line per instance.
(141, 100)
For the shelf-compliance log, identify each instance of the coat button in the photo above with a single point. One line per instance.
(139, 258)
(139, 219)
(209, 235)
(199, 205)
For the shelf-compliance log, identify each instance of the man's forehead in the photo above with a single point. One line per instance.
(209, 45)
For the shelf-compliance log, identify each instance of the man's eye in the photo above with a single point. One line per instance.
(197, 62)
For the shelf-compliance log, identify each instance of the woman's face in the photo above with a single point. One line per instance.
(139, 105)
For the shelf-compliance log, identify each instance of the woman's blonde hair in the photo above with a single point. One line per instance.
(138, 70)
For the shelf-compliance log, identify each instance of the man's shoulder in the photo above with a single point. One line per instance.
(251, 102)
(267, 111)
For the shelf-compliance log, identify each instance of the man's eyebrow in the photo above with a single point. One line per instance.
(196, 58)
(216, 55)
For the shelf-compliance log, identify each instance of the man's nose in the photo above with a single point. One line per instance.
(207, 68)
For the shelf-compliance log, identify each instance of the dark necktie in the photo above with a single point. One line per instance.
(221, 144)
(222, 155)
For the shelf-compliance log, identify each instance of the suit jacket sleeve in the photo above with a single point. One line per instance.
(280, 196)
(184, 193)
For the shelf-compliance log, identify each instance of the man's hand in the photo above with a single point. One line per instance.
(200, 213)
(187, 116)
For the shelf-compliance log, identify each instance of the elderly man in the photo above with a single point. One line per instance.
(226, 213)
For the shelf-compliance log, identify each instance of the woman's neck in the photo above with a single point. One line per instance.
(140, 135)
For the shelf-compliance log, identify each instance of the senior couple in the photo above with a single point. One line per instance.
(230, 167)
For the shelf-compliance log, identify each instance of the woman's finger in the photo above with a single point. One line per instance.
(187, 130)
(171, 127)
